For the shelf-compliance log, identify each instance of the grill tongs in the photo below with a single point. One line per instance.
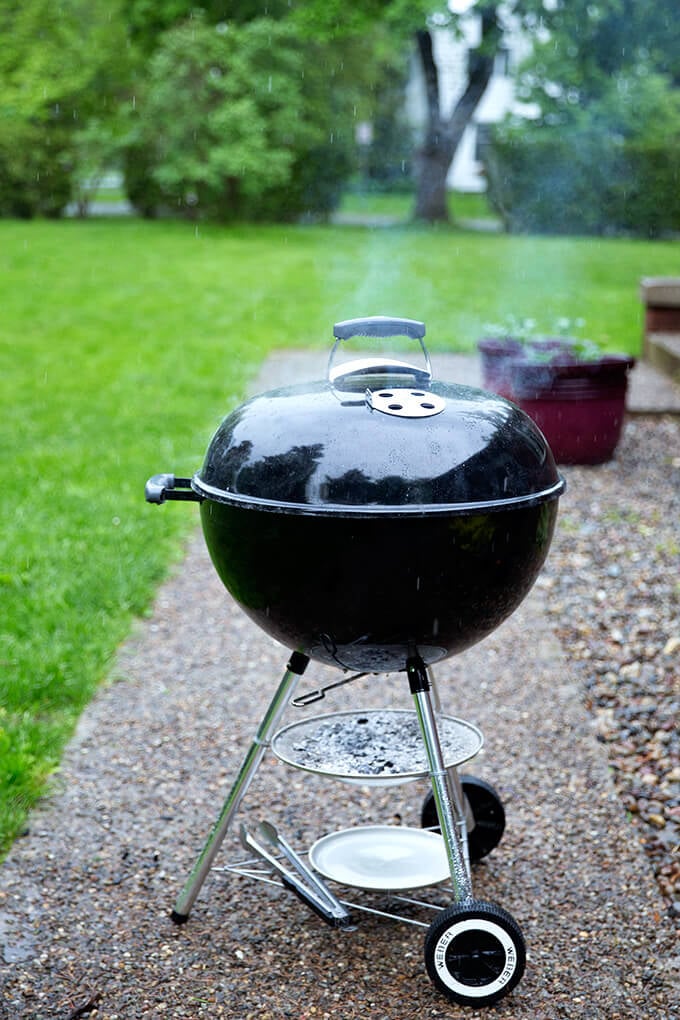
(308, 887)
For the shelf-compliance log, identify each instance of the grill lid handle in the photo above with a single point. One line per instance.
(379, 326)
(371, 372)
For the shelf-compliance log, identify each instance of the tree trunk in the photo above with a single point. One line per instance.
(442, 137)
(431, 191)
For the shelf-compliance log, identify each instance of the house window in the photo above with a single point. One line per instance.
(482, 132)
(501, 64)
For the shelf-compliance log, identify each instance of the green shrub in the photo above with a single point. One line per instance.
(145, 194)
(613, 167)
(63, 68)
(317, 179)
(230, 125)
(35, 167)
(549, 180)
(646, 199)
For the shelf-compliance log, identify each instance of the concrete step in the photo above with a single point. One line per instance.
(662, 350)
(660, 296)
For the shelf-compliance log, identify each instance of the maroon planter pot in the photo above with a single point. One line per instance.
(579, 407)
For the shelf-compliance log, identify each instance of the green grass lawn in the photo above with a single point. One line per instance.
(399, 205)
(122, 343)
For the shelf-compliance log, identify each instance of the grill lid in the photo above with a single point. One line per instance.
(378, 436)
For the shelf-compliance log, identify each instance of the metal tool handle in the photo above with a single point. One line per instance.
(307, 895)
(160, 488)
(379, 326)
(341, 917)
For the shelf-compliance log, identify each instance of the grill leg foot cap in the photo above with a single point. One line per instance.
(178, 918)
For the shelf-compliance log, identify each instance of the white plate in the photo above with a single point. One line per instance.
(387, 857)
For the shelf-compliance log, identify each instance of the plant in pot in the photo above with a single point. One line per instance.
(503, 344)
(572, 390)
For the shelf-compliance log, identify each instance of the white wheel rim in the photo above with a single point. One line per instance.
(475, 991)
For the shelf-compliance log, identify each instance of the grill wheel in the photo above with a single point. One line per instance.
(487, 811)
(475, 953)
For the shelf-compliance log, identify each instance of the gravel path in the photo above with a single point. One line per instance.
(613, 588)
(577, 697)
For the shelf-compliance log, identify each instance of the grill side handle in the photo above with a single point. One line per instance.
(161, 488)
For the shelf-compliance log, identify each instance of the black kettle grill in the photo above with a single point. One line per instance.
(380, 521)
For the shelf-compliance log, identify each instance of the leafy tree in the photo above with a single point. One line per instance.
(147, 20)
(443, 134)
(358, 31)
(579, 46)
(603, 155)
(228, 121)
(59, 66)
(587, 55)
(412, 21)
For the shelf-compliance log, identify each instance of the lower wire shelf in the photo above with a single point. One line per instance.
(251, 869)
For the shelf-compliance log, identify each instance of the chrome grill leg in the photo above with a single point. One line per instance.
(185, 900)
(448, 800)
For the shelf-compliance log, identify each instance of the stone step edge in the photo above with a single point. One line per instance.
(662, 350)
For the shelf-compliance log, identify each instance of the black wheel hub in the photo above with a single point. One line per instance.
(475, 958)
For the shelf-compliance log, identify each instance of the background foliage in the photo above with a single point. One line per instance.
(603, 153)
(233, 110)
(63, 68)
(226, 119)
(613, 167)
(213, 110)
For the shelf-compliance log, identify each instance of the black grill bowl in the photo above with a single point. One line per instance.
(361, 592)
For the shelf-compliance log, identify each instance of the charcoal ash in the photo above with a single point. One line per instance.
(371, 744)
